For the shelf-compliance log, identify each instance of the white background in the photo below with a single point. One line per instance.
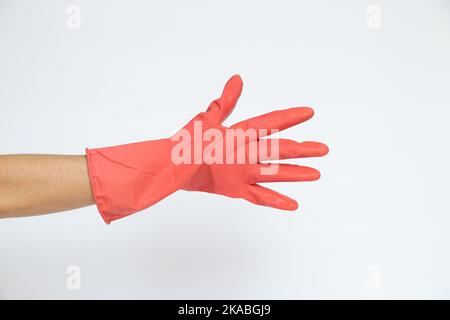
(375, 226)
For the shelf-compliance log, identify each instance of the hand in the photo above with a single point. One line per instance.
(128, 178)
(240, 180)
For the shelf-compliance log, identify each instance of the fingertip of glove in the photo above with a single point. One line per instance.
(307, 112)
(299, 114)
(236, 78)
(287, 203)
(234, 84)
(315, 175)
(323, 148)
(292, 206)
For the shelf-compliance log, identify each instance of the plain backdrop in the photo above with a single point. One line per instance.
(375, 226)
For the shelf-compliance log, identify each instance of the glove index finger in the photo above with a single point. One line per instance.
(222, 107)
(276, 120)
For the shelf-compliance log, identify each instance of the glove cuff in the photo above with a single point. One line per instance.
(129, 178)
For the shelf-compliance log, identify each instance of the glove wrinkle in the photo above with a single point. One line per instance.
(125, 165)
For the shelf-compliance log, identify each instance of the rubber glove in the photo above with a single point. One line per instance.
(129, 178)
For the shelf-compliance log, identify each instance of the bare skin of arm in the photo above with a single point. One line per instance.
(40, 184)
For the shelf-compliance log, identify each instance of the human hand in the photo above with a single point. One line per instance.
(204, 156)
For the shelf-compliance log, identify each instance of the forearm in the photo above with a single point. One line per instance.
(39, 184)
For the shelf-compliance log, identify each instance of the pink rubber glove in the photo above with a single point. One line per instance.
(203, 157)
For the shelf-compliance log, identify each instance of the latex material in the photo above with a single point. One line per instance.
(129, 178)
